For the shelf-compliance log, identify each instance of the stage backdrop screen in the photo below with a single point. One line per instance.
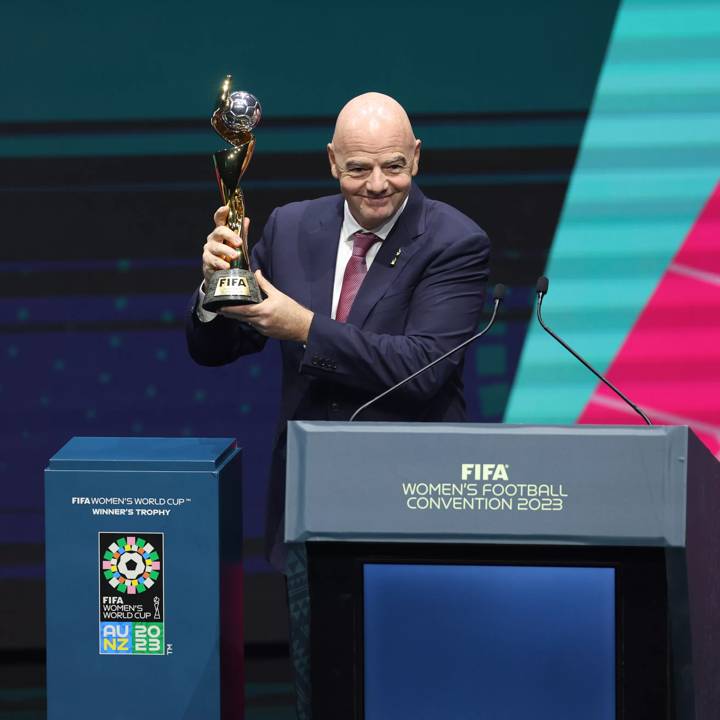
(467, 641)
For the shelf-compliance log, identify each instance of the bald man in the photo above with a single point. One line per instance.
(363, 288)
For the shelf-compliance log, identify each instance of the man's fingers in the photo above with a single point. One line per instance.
(234, 311)
(214, 262)
(265, 285)
(246, 227)
(246, 313)
(224, 235)
(220, 216)
(221, 249)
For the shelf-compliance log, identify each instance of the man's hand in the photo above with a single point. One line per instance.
(278, 316)
(221, 245)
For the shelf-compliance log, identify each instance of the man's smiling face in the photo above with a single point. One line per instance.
(374, 155)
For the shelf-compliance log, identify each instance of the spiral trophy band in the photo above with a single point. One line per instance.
(235, 116)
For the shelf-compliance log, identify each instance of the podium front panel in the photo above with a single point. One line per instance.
(486, 483)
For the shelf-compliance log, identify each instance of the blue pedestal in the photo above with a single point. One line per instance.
(143, 570)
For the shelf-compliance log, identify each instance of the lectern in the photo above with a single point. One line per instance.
(505, 572)
(144, 579)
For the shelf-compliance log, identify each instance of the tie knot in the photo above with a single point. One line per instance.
(362, 242)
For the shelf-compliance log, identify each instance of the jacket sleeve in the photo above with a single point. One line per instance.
(223, 339)
(445, 309)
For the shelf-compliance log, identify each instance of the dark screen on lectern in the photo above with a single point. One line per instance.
(440, 639)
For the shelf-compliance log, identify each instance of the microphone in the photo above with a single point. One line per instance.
(498, 295)
(541, 289)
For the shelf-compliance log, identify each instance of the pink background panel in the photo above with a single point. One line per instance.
(670, 361)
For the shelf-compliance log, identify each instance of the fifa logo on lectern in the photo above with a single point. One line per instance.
(484, 472)
(131, 598)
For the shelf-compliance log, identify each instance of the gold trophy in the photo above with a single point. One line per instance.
(236, 115)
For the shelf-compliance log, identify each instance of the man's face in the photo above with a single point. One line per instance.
(375, 166)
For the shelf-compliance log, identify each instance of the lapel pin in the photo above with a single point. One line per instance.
(395, 259)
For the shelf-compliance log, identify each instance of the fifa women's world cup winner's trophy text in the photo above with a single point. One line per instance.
(237, 113)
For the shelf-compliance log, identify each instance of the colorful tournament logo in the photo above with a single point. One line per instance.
(131, 594)
(131, 564)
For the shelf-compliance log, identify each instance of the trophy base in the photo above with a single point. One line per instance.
(231, 287)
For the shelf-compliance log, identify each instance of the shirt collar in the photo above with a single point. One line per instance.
(350, 224)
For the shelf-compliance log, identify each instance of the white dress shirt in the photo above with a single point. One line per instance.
(345, 247)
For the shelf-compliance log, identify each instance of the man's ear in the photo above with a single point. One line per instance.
(416, 157)
(333, 163)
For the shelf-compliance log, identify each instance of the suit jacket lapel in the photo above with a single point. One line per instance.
(319, 247)
(383, 271)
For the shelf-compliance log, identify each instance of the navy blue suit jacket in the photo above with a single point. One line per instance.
(410, 309)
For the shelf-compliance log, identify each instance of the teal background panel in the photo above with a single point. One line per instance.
(647, 163)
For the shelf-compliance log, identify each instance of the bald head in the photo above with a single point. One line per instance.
(373, 114)
(374, 154)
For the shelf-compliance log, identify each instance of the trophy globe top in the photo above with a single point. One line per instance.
(236, 115)
(242, 112)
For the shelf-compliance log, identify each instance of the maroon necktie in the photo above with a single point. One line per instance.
(355, 272)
